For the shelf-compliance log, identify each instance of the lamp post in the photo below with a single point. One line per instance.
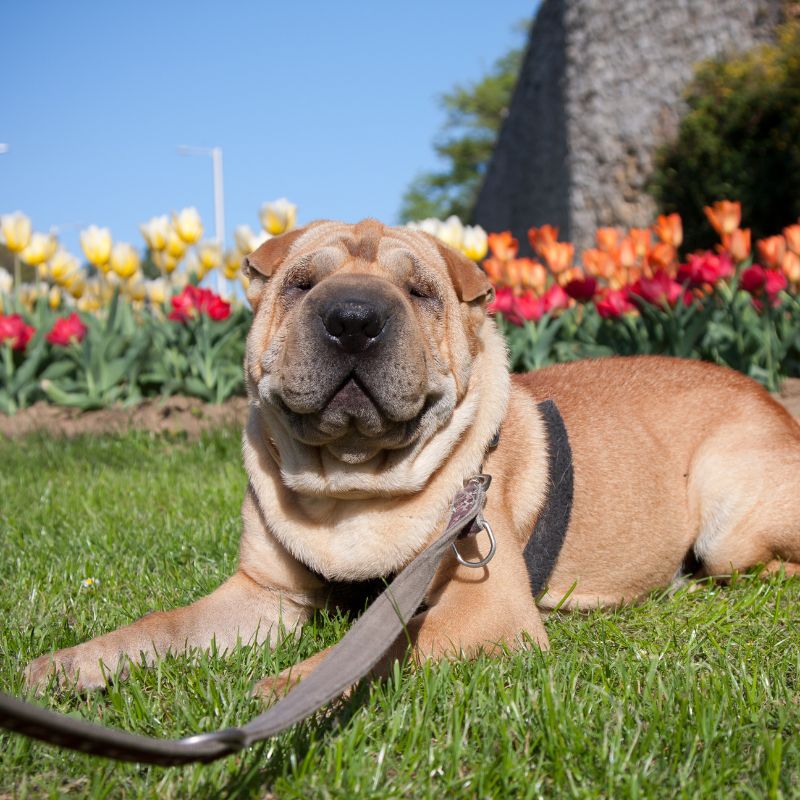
(219, 198)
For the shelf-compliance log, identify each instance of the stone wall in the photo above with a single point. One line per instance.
(600, 88)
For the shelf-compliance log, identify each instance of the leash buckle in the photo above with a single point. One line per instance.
(480, 524)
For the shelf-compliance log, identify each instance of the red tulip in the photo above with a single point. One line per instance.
(614, 303)
(67, 330)
(193, 301)
(753, 279)
(14, 331)
(582, 289)
(658, 290)
(703, 268)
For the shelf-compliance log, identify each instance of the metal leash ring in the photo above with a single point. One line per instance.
(482, 524)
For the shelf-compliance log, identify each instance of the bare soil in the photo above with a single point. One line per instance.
(184, 415)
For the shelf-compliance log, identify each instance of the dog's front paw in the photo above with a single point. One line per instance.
(74, 667)
(272, 688)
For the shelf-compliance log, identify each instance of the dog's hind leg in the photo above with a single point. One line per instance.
(745, 491)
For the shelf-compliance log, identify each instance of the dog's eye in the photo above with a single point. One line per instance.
(299, 285)
(419, 293)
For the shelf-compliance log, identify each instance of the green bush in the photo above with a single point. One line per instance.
(740, 139)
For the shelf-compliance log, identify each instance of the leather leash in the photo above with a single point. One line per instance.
(351, 659)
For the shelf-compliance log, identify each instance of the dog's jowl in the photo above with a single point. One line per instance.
(376, 384)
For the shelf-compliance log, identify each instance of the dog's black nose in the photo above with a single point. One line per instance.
(355, 325)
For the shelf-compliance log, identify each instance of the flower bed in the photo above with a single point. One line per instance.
(630, 294)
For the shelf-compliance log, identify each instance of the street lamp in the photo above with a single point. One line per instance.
(219, 201)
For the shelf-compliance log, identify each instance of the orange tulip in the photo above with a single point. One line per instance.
(724, 216)
(503, 245)
(737, 243)
(494, 269)
(607, 239)
(642, 239)
(669, 229)
(626, 254)
(558, 255)
(792, 234)
(771, 250)
(571, 274)
(790, 265)
(662, 257)
(533, 275)
(598, 262)
(542, 237)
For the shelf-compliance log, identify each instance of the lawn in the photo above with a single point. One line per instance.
(688, 695)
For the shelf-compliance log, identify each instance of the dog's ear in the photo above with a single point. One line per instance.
(261, 264)
(469, 280)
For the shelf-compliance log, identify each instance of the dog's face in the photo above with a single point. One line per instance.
(363, 336)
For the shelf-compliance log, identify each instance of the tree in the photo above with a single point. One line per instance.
(475, 112)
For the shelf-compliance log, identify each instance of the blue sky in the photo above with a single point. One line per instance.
(333, 105)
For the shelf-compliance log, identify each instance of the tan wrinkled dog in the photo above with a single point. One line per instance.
(376, 382)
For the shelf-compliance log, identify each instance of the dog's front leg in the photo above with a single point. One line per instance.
(238, 611)
(471, 611)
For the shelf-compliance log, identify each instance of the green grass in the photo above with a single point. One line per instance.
(693, 695)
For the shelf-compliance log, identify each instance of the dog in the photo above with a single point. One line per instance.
(376, 383)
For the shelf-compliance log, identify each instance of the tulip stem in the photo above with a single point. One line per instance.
(17, 271)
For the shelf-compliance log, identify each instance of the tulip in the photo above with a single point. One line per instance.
(54, 297)
(792, 235)
(791, 266)
(76, 285)
(669, 229)
(16, 230)
(451, 232)
(724, 216)
(156, 291)
(626, 255)
(6, 281)
(771, 250)
(658, 290)
(607, 239)
(165, 262)
(210, 255)
(528, 273)
(753, 279)
(558, 255)
(494, 269)
(430, 226)
(136, 290)
(642, 239)
(89, 304)
(232, 264)
(15, 331)
(614, 303)
(247, 241)
(63, 267)
(40, 248)
(155, 232)
(96, 246)
(503, 303)
(775, 282)
(662, 257)
(278, 216)
(737, 243)
(475, 244)
(67, 330)
(193, 301)
(542, 237)
(503, 245)
(124, 260)
(582, 289)
(705, 268)
(598, 262)
(527, 307)
(188, 225)
(175, 246)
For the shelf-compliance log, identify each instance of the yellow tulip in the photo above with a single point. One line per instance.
(76, 286)
(430, 225)
(54, 297)
(278, 216)
(135, 289)
(452, 232)
(476, 242)
(165, 261)
(188, 225)
(156, 291)
(89, 303)
(16, 230)
(96, 246)
(155, 232)
(63, 267)
(233, 261)
(247, 241)
(6, 281)
(175, 246)
(210, 255)
(40, 248)
(124, 260)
